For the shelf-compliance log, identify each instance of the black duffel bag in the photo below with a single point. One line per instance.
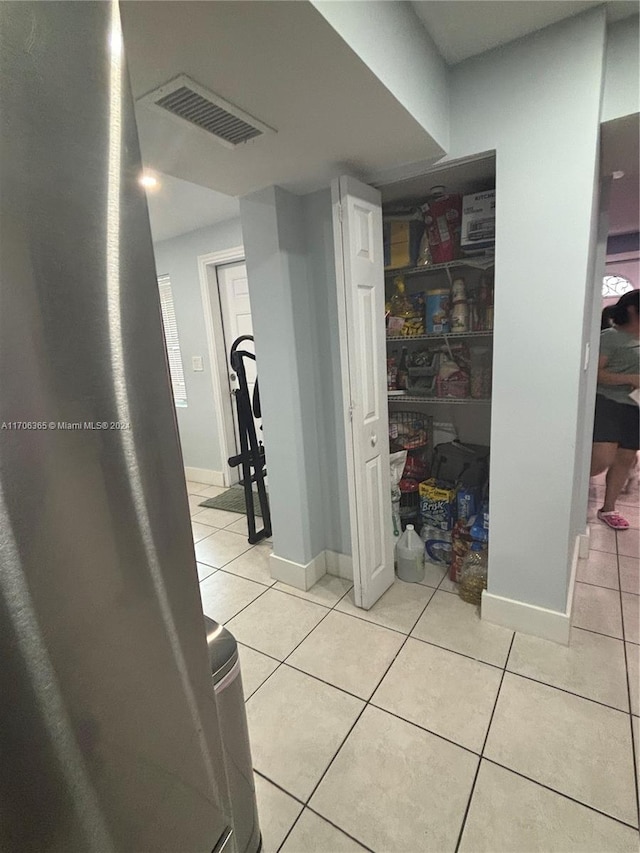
(461, 464)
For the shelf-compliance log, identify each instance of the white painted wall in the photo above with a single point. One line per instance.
(178, 258)
(286, 348)
(291, 266)
(331, 434)
(391, 40)
(622, 82)
(537, 103)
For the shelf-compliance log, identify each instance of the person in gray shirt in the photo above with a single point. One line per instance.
(616, 430)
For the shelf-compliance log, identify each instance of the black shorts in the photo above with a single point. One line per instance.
(618, 423)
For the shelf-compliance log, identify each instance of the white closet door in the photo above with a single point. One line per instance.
(360, 276)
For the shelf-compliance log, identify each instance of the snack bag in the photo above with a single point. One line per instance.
(443, 218)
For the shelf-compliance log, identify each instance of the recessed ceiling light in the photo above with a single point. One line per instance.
(617, 175)
(149, 182)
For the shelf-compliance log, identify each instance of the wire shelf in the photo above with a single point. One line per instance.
(480, 263)
(434, 337)
(452, 401)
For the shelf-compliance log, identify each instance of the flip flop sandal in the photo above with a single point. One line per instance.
(613, 519)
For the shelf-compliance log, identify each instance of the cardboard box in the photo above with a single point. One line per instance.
(478, 222)
(437, 505)
(401, 242)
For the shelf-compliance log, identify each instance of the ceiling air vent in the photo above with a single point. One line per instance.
(186, 100)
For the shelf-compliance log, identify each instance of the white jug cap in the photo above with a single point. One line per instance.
(410, 527)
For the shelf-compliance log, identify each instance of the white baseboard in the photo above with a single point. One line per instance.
(299, 575)
(204, 475)
(529, 618)
(573, 575)
(339, 565)
(584, 540)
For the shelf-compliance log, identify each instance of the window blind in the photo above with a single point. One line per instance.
(174, 355)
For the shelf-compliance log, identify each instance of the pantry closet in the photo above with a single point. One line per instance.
(434, 346)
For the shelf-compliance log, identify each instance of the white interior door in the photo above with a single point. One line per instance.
(233, 288)
(357, 218)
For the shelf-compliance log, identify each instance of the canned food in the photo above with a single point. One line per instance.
(437, 311)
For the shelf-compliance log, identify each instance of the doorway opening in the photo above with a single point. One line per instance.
(614, 492)
(227, 316)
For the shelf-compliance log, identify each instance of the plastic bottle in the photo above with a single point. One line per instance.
(410, 556)
(437, 545)
(482, 306)
(403, 373)
(400, 305)
(480, 524)
(396, 495)
(460, 311)
(473, 574)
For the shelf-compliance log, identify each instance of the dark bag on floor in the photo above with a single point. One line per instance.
(463, 464)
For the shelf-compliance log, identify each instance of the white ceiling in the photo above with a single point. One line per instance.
(176, 207)
(282, 63)
(464, 28)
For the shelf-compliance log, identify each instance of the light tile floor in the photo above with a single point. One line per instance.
(417, 727)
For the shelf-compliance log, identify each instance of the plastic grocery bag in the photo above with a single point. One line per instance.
(397, 461)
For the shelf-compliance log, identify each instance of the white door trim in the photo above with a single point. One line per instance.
(217, 356)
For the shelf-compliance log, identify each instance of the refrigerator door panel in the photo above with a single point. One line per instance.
(109, 736)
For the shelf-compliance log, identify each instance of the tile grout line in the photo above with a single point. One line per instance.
(559, 793)
(456, 652)
(335, 826)
(484, 743)
(634, 745)
(242, 577)
(568, 692)
(599, 633)
(423, 728)
(602, 586)
(279, 787)
(281, 663)
(305, 806)
(380, 625)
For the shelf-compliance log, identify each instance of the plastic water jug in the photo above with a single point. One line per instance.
(410, 556)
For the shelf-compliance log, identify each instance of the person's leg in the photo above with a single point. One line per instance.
(616, 477)
(603, 455)
(633, 479)
(627, 456)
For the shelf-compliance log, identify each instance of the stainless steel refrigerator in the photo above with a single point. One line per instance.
(110, 735)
